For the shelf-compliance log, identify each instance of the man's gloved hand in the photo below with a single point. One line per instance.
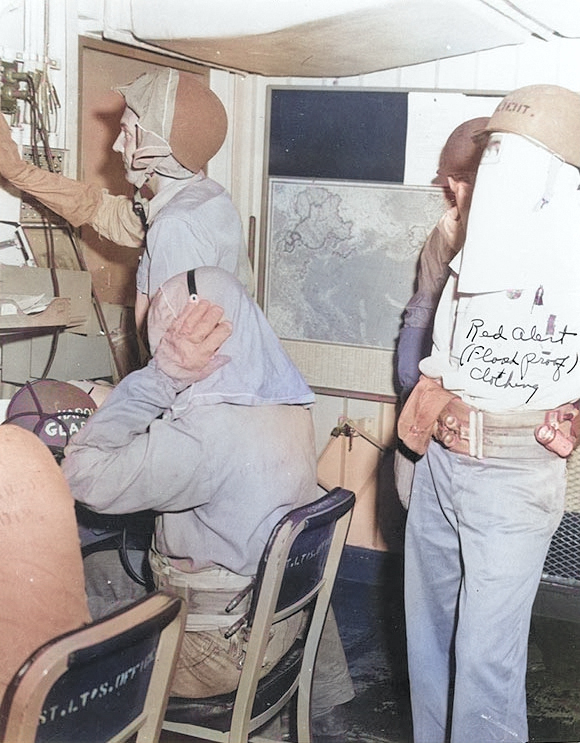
(559, 432)
(11, 163)
(187, 351)
(75, 201)
(452, 227)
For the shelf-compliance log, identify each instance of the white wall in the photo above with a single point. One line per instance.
(42, 37)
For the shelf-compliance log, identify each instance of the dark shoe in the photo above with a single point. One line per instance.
(330, 727)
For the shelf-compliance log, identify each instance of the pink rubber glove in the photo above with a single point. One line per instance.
(187, 351)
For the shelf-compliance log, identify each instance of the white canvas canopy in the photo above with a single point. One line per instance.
(333, 38)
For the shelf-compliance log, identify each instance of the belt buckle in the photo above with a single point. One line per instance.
(460, 432)
(476, 433)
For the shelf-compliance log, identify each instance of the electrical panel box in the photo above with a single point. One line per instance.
(9, 88)
(31, 211)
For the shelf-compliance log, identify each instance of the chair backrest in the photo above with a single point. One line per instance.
(304, 539)
(297, 571)
(102, 682)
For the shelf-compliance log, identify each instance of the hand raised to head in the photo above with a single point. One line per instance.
(453, 228)
(187, 351)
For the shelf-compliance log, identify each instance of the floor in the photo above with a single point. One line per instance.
(375, 651)
(369, 611)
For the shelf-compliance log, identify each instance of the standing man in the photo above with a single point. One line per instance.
(456, 173)
(171, 127)
(494, 415)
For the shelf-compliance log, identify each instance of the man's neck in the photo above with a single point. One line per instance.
(158, 182)
(160, 192)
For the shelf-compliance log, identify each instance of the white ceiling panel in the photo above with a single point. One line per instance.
(333, 38)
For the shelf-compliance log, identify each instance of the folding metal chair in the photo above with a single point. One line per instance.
(101, 683)
(296, 573)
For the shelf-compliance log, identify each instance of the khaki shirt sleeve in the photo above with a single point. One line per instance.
(116, 221)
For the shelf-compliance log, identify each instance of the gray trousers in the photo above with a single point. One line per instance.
(477, 535)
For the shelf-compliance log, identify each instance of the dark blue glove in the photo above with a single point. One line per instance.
(414, 344)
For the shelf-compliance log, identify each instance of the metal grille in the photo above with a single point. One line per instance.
(563, 561)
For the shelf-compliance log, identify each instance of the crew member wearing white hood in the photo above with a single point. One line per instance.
(221, 459)
(172, 126)
(43, 586)
(495, 418)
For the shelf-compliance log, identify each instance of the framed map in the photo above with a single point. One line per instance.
(340, 265)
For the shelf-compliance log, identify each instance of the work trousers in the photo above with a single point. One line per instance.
(210, 664)
(476, 539)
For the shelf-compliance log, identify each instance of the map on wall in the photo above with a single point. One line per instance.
(342, 258)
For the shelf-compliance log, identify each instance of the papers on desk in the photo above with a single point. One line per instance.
(26, 303)
(14, 247)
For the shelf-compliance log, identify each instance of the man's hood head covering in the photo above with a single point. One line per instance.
(182, 123)
(259, 371)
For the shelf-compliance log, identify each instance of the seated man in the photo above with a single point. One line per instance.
(221, 454)
(43, 586)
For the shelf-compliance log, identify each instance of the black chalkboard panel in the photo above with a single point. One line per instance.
(343, 134)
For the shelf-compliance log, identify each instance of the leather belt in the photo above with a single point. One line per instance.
(479, 433)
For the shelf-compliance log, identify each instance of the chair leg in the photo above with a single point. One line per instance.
(303, 716)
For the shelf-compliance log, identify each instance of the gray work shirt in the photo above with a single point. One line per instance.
(220, 476)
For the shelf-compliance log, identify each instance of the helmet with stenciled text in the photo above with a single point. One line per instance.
(546, 114)
(53, 410)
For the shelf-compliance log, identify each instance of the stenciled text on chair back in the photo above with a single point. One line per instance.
(309, 551)
(296, 572)
(101, 682)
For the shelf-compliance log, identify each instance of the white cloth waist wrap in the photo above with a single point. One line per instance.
(206, 593)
